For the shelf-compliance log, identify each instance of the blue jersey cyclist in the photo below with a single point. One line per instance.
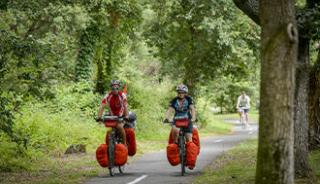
(182, 106)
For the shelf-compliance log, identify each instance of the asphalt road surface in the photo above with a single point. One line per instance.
(153, 168)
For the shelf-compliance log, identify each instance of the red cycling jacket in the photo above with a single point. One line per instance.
(117, 103)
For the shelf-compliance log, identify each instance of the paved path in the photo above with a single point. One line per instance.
(153, 168)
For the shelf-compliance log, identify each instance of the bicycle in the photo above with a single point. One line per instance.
(113, 139)
(243, 120)
(181, 123)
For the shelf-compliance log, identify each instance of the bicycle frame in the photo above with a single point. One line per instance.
(182, 123)
(243, 120)
(182, 150)
(112, 140)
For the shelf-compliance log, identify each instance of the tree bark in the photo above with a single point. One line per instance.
(301, 129)
(279, 37)
(314, 105)
(302, 168)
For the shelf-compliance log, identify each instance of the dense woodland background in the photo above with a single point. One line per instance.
(58, 56)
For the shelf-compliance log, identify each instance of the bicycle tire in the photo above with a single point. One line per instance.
(121, 169)
(182, 150)
(111, 148)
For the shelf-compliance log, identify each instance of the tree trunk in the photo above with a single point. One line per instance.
(275, 162)
(100, 84)
(108, 61)
(301, 127)
(314, 105)
(302, 168)
(85, 54)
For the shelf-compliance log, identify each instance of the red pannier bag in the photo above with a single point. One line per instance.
(173, 154)
(120, 154)
(195, 138)
(102, 155)
(192, 153)
(131, 141)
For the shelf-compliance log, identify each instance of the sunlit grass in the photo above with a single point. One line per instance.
(229, 167)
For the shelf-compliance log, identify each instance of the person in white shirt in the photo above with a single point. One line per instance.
(243, 105)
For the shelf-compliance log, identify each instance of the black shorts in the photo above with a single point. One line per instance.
(187, 129)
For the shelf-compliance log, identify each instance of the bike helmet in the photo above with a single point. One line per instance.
(182, 87)
(115, 83)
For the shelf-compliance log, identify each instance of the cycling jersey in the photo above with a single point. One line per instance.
(182, 107)
(116, 103)
(243, 102)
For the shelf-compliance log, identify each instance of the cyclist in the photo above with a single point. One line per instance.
(116, 101)
(182, 105)
(243, 105)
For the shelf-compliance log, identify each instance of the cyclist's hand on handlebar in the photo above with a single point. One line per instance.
(166, 121)
(126, 119)
(99, 120)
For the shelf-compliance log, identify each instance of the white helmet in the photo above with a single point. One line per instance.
(182, 87)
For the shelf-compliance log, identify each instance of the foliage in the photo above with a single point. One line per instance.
(201, 40)
(55, 55)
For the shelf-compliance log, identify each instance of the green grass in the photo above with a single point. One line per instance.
(229, 167)
(56, 168)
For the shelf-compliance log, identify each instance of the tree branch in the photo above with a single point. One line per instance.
(249, 9)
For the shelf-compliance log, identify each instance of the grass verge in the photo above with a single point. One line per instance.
(77, 168)
(229, 167)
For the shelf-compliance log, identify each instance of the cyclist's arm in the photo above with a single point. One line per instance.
(101, 109)
(125, 111)
(248, 102)
(238, 103)
(193, 112)
(169, 112)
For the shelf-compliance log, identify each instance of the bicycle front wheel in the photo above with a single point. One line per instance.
(111, 148)
(182, 152)
(121, 169)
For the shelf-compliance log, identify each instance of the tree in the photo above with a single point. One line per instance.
(198, 41)
(308, 18)
(314, 106)
(279, 55)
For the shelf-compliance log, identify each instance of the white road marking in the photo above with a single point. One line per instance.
(219, 140)
(138, 179)
(250, 133)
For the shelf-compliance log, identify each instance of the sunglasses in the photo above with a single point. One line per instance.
(114, 88)
(181, 92)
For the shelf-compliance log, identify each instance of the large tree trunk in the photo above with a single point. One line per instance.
(301, 150)
(279, 55)
(301, 115)
(314, 105)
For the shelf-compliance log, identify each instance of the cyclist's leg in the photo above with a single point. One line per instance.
(122, 132)
(240, 114)
(246, 111)
(175, 133)
(188, 132)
